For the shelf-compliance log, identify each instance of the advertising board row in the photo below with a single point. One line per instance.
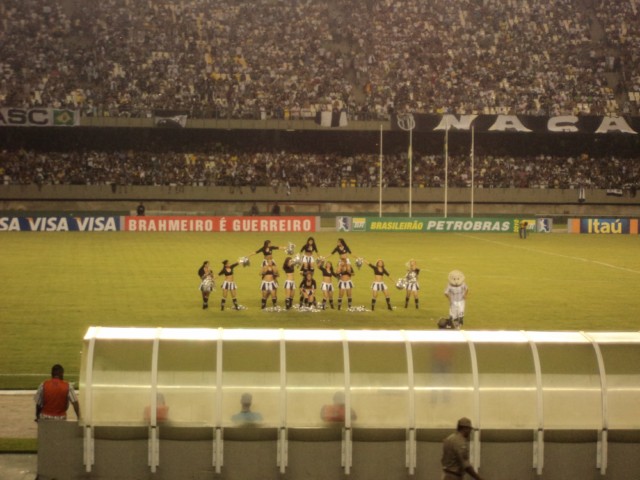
(160, 224)
(308, 224)
(441, 225)
(484, 225)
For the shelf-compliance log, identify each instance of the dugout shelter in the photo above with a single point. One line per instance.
(159, 403)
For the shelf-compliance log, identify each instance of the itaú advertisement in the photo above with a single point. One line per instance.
(615, 226)
(220, 224)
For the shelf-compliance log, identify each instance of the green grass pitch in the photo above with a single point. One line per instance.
(55, 285)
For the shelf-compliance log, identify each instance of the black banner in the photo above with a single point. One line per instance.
(420, 122)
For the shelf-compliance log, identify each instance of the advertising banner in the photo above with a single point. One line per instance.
(615, 226)
(524, 124)
(221, 224)
(425, 224)
(544, 225)
(60, 224)
(39, 117)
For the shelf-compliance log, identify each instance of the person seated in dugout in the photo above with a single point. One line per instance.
(335, 412)
(246, 416)
(162, 410)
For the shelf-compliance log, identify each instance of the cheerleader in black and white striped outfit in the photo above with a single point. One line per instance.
(308, 289)
(343, 250)
(307, 250)
(229, 284)
(345, 285)
(413, 287)
(378, 284)
(327, 282)
(269, 285)
(206, 283)
(289, 284)
(267, 250)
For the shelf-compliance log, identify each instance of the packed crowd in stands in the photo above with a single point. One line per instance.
(276, 58)
(286, 171)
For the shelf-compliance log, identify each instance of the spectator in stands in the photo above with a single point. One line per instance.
(371, 58)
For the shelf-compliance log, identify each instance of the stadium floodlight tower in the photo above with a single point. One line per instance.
(407, 122)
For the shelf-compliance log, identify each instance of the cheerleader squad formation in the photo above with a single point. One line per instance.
(304, 265)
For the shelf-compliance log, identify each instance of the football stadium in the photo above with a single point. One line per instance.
(233, 223)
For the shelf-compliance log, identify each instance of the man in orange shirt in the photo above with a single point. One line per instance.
(54, 395)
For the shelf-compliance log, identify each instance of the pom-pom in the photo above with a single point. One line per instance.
(290, 248)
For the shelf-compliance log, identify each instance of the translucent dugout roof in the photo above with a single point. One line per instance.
(385, 378)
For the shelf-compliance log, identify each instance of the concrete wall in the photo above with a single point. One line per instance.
(121, 453)
(317, 201)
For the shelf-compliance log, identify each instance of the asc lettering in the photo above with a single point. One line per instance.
(19, 116)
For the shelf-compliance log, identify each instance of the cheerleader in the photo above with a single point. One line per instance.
(229, 285)
(342, 249)
(413, 287)
(206, 283)
(345, 285)
(378, 284)
(304, 269)
(266, 250)
(327, 283)
(307, 250)
(269, 286)
(289, 285)
(308, 289)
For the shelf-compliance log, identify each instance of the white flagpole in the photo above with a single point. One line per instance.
(410, 170)
(380, 175)
(472, 167)
(446, 169)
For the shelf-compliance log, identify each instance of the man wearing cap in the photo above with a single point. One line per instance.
(455, 453)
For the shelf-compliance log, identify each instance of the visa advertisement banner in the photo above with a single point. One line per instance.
(425, 224)
(159, 224)
(221, 224)
(615, 226)
(59, 224)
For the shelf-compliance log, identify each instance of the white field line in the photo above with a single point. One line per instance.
(555, 254)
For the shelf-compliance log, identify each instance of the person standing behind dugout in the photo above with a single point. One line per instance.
(54, 396)
(455, 453)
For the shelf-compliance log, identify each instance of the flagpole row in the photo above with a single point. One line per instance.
(472, 168)
(446, 169)
(380, 177)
